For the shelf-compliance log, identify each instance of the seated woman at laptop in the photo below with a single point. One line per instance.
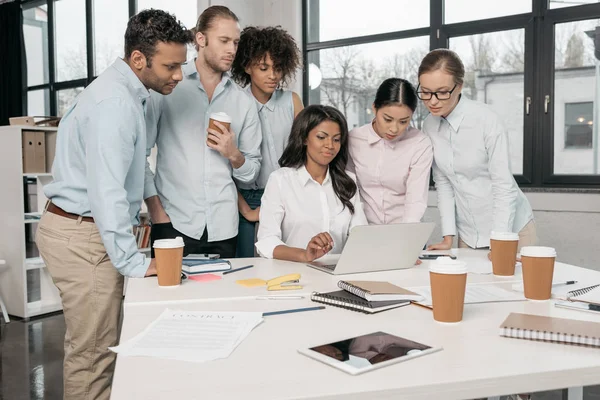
(311, 203)
(392, 159)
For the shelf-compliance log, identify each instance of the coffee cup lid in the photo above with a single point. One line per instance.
(508, 236)
(446, 265)
(221, 117)
(538, 251)
(169, 243)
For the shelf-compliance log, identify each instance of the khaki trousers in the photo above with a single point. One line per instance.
(527, 237)
(91, 290)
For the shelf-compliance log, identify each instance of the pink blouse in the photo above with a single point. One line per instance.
(392, 176)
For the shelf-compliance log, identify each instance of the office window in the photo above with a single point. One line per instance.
(494, 74)
(110, 21)
(38, 102)
(579, 121)
(471, 10)
(576, 94)
(569, 3)
(35, 33)
(332, 19)
(70, 40)
(348, 77)
(66, 98)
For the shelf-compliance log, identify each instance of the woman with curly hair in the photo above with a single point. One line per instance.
(311, 203)
(265, 62)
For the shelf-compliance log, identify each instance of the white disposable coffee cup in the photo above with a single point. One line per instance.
(538, 271)
(169, 258)
(448, 279)
(504, 236)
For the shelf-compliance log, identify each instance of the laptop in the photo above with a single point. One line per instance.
(372, 248)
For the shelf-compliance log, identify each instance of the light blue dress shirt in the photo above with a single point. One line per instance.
(194, 182)
(100, 158)
(276, 118)
(476, 190)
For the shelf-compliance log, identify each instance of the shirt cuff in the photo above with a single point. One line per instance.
(137, 268)
(266, 246)
(244, 171)
(150, 190)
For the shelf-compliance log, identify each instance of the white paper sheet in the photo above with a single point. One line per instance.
(475, 294)
(195, 336)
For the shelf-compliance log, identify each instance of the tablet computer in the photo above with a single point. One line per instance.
(368, 352)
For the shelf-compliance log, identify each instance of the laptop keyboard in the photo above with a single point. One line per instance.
(330, 267)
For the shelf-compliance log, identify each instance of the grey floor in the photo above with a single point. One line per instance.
(31, 356)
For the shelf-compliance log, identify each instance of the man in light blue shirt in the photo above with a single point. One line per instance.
(85, 236)
(193, 194)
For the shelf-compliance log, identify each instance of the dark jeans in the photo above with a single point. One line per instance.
(247, 229)
(225, 248)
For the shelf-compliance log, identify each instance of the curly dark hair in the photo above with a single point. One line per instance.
(148, 27)
(294, 155)
(256, 42)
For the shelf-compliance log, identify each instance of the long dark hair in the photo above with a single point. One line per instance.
(294, 155)
(396, 91)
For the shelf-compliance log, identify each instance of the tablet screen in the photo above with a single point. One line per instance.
(364, 351)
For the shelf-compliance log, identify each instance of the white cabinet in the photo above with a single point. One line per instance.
(22, 275)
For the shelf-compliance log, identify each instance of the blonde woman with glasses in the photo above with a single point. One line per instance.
(477, 193)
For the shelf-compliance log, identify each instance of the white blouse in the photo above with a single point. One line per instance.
(295, 208)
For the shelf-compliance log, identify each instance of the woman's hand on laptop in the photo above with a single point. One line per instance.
(318, 246)
(445, 244)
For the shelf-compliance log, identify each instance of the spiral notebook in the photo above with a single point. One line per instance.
(548, 329)
(590, 295)
(347, 300)
(378, 291)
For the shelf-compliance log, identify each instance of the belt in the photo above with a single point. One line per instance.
(54, 209)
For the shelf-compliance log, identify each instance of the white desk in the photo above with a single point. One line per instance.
(476, 362)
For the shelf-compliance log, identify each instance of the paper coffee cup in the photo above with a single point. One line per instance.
(221, 118)
(169, 258)
(538, 271)
(504, 252)
(448, 279)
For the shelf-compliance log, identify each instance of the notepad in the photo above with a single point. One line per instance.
(198, 266)
(378, 291)
(475, 294)
(347, 300)
(548, 329)
(590, 295)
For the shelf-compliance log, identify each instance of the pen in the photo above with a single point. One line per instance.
(295, 310)
(565, 283)
(237, 269)
(279, 297)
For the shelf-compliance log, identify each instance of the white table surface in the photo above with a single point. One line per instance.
(476, 362)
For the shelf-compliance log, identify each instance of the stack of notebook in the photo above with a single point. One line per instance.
(367, 296)
(192, 265)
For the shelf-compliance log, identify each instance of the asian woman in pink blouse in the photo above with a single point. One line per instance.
(392, 159)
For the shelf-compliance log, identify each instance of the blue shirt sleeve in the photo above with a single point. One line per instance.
(110, 144)
(249, 142)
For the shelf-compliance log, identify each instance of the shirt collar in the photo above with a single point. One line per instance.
(138, 87)
(458, 114)
(305, 177)
(270, 105)
(373, 137)
(189, 69)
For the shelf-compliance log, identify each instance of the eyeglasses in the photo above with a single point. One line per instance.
(440, 95)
